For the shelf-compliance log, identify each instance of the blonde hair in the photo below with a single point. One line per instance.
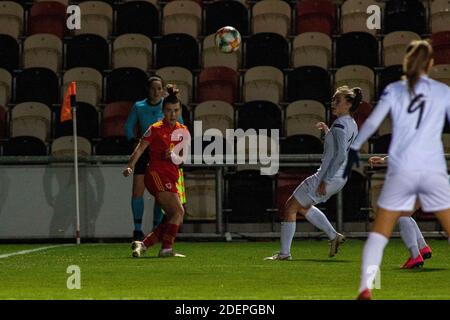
(352, 95)
(417, 60)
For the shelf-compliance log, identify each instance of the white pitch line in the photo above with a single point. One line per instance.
(7, 255)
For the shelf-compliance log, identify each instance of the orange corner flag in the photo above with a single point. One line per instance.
(66, 110)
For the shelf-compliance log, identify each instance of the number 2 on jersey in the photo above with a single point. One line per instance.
(413, 107)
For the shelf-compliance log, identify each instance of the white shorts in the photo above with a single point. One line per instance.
(306, 193)
(400, 191)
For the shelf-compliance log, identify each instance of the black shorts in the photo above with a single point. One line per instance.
(142, 163)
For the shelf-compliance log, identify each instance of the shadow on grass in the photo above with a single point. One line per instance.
(420, 270)
(324, 260)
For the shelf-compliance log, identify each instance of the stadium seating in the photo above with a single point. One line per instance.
(271, 16)
(3, 124)
(39, 85)
(182, 16)
(441, 47)
(385, 127)
(301, 144)
(226, 13)
(267, 49)
(441, 73)
(302, 116)
(394, 46)
(357, 76)
(11, 19)
(357, 48)
(215, 114)
(5, 87)
(354, 16)
(381, 144)
(250, 194)
(31, 119)
(375, 185)
(132, 50)
(87, 50)
(111, 146)
(96, 18)
(315, 16)
(137, 17)
(213, 57)
(389, 75)
(308, 83)
(217, 83)
(89, 84)
(263, 83)
(362, 113)
(87, 122)
(43, 50)
(402, 15)
(114, 117)
(200, 189)
(177, 49)
(355, 197)
(9, 53)
(259, 115)
(47, 17)
(446, 142)
(63, 147)
(440, 15)
(182, 78)
(24, 146)
(312, 49)
(126, 84)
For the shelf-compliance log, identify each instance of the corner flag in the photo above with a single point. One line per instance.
(68, 102)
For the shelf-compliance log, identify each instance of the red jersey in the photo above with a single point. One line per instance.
(159, 137)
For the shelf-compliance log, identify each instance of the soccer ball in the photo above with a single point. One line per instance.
(228, 39)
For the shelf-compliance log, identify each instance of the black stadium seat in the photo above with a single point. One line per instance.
(126, 84)
(309, 83)
(9, 52)
(24, 146)
(389, 75)
(226, 13)
(405, 15)
(381, 144)
(87, 50)
(301, 144)
(37, 84)
(359, 48)
(177, 49)
(267, 49)
(259, 115)
(87, 122)
(355, 197)
(250, 195)
(137, 17)
(114, 146)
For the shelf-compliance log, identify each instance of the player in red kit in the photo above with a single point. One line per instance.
(164, 139)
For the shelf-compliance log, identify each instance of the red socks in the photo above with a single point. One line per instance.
(168, 238)
(155, 236)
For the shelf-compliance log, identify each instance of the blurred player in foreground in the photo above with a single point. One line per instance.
(162, 173)
(328, 180)
(417, 165)
(411, 235)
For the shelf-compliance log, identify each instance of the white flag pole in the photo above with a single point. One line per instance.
(75, 156)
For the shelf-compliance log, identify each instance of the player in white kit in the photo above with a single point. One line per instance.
(417, 166)
(328, 179)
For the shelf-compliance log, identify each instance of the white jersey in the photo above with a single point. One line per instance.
(417, 125)
(336, 145)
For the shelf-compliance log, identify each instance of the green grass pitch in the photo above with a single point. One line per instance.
(215, 270)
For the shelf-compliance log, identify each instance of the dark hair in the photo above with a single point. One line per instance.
(417, 59)
(172, 97)
(354, 96)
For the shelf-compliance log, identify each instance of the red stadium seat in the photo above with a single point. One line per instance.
(218, 83)
(114, 117)
(287, 181)
(315, 16)
(441, 46)
(47, 17)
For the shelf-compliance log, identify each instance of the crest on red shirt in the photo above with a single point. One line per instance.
(168, 185)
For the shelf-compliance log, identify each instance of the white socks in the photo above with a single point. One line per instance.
(371, 259)
(420, 240)
(287, 234)
(320, 221)
(408, 234)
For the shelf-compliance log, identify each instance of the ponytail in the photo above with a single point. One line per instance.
(417, 59)
(172, 97)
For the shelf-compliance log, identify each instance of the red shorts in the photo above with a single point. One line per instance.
(156, 183)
